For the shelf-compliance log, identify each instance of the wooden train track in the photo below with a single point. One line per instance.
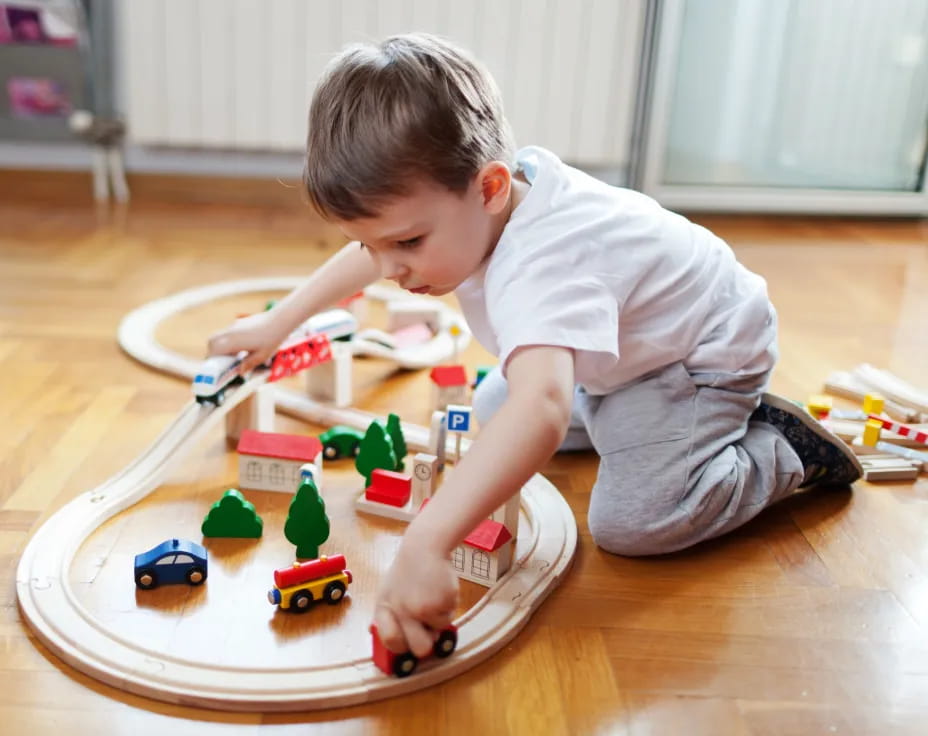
(51, 607)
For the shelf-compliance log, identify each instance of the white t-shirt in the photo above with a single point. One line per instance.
(629, 286)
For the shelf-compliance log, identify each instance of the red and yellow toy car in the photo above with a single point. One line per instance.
(296, 587)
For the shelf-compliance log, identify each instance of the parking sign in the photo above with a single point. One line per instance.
(458, 418)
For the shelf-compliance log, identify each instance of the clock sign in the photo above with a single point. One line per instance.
(424, 467)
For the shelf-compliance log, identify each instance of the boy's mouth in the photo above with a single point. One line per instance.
(419, 290)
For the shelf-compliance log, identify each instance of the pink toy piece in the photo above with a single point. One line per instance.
(412, 335)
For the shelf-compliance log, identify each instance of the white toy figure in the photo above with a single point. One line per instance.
(106, 135)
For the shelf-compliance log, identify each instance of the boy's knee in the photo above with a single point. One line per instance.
(489, 395)
(620, 539)
(639, 534)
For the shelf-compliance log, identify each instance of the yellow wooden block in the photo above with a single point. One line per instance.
(872, 432)
(873, 403)
(819, 405)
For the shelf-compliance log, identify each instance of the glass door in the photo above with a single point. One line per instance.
(789, 106)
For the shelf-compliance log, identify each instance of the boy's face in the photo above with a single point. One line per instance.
(432, 239)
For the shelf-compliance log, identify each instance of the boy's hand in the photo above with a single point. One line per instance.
(257, 333)
(417, 599)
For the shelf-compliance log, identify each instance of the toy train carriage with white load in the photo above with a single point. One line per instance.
(335, 324)
(296, 587)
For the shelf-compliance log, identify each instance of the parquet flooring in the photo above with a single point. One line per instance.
(810, 620)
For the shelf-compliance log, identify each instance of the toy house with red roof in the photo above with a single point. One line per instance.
(485, 555)
(270, 461)
(449, 385)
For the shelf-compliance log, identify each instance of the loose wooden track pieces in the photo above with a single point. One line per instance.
(889, 450)
(904, 402)
(889, 467)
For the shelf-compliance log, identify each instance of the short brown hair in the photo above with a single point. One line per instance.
(383, 116)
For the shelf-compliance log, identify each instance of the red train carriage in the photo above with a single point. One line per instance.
(403, 665)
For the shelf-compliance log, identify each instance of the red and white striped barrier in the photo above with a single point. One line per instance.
(904, 430)
(299, 356)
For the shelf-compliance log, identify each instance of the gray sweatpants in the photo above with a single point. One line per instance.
(679, 461)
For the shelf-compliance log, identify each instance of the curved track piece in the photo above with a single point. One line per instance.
(51, 607)
(137, 329)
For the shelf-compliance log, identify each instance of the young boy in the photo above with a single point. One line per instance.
(668, 340)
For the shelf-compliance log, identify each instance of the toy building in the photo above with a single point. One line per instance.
(485, 555)
(449, 385)
(270, 461)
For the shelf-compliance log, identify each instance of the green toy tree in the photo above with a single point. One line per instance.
(307, 525)
(232, 516)
(399, 442)
(376, 451)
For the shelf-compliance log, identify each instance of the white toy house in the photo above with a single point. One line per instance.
(269, 461)
(485, 555)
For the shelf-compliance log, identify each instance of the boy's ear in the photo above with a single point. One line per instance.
(495, 184)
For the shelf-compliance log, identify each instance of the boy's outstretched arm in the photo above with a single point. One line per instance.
(419, 593)
(344, 274)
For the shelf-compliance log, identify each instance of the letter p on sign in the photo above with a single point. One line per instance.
(458, 418)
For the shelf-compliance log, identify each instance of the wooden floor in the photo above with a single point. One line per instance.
(811, 620)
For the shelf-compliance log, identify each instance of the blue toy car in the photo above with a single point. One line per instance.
(172, 561)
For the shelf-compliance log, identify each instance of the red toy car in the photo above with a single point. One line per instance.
(403, 665)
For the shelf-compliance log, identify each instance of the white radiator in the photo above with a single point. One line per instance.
(238, 74)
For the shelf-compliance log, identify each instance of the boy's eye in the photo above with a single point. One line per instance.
(409, 243)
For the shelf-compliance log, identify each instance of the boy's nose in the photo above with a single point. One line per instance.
(394, 271)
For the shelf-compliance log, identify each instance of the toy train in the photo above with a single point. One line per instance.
(335, 324)
(306, 346)
(216, 375)
(404, 664)
(295, 588)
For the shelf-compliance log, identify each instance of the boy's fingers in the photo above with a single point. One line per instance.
(220, 345)
(420, 639)
(250, 363)
(214, 345)
(389, 631)
(439, 621)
